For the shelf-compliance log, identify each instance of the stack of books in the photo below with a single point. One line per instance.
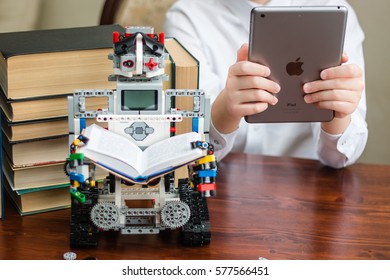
(38, 70)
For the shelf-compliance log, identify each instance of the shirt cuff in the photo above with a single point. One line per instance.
(343, 149)
(352, 142)
(223, 143)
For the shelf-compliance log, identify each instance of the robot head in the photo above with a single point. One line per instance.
(139, 52)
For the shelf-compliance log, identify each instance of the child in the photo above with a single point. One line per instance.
(213, 31)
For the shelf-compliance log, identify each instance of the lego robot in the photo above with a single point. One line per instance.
(141, 110)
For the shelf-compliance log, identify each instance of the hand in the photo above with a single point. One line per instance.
(340, 89)
(248, 91)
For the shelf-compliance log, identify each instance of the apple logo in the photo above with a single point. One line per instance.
(294, 67)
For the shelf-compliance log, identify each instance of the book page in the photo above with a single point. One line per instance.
(120, 155)
(171, 152)
(111, 145)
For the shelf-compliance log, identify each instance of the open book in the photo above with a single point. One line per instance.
(122, 157)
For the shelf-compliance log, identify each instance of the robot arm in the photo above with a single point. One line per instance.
(204, 171)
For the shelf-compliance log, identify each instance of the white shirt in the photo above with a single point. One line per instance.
(213, 31)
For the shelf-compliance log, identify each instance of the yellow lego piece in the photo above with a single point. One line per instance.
(77, 142)
(206, 159)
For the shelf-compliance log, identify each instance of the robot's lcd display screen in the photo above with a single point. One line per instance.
(139, 100)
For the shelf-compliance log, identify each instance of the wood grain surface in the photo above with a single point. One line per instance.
(276, 208)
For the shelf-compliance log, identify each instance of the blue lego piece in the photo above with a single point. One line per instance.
(207, 173)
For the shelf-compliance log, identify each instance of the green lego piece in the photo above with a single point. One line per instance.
(77, 195)
(76, 156)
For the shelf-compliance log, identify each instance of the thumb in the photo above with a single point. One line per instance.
(344, 58)
(242, 53)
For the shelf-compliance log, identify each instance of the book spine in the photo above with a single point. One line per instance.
(195, 59)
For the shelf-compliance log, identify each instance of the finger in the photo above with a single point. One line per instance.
(340, 108)
(248, 109)
(252, 96)
(342, 71)
(245, 103)
(253, 82)
(246, 68)
(256, 96)
(242, 53)
(332, 95)
(344, 58)
(254, 108)
(334, 84)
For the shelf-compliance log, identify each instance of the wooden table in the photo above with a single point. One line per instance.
(276, 208)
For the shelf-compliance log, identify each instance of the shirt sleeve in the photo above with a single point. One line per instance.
(223, 143)
(343, 150)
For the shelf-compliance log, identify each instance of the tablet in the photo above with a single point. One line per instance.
(296, 43)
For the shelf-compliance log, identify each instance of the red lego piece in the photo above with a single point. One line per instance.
(207, 187)
(151, 64)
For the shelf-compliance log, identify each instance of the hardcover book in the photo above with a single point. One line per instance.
(56, 61)
(36, 152)
(38, 129)
(39, 176)
(183, 71)
(32, 201)
(121, 156)
(34, 176)
(41, 108)
(19, 131)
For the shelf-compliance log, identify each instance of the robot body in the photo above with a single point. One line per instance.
(142, 111)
